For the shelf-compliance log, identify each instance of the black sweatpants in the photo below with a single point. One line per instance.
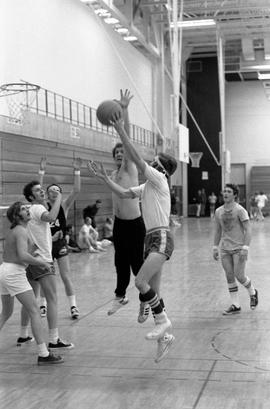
(128, 237)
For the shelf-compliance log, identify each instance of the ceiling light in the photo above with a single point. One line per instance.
(259, 67)
(130, 38)
(194, 23)
(264, 76)
(111, 20)
(102, 12)
(122, 30)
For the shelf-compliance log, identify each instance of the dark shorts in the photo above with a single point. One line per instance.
(59, 249)
(159, 241)
(36, 272)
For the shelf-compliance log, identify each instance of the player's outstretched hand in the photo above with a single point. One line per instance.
(42, 164)
(95, 170)
(125, 98)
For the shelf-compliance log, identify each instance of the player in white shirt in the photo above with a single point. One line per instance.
(155, 202)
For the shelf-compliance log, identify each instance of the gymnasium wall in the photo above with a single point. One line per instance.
(63, 46)
(247, 128)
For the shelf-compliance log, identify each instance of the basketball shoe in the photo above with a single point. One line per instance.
(143, 312)
(163, 346)
(232, 310)
(254, 300)
(117, 304)
(162, 325)
(43, 310)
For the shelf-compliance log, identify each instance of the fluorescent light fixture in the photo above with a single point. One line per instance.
(258, 67)
(111, 20)
(264, 76)
(130, 38)
(122, 30)
(195, 23)
(102, 12)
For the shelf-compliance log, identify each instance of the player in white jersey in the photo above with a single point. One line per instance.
(155, 202)
(232, 229)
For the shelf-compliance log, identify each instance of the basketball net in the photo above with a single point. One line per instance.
(195, 159)
(19, 97)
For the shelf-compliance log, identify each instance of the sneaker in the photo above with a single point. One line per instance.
(117, 304)
(232, 310)
(43, 310)
(159, 330)
(26, 340)
(163, 346)
(74, 312)
(143, 312)
(254, 300)
(60, 344)
(50, 359)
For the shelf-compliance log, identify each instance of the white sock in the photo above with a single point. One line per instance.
(249, 287)
(24, 332)
(233, 290)
(42, 350)
(72, 300)
(53, 335)
(43, 301)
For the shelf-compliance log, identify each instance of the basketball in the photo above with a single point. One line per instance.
(106, 110)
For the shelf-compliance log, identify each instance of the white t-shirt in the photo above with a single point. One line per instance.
(155, 199)
(40, 232)
(84, 232)
(261, 200)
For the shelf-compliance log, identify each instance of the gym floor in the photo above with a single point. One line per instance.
(216, 362)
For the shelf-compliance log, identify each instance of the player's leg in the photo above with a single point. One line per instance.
(240, 274)
(7, 309)
(64, 270)
(228, 266)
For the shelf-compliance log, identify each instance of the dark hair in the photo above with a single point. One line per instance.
(169, 162)
(234, 188)
(13, 212)
(118, 145)
(98, 201)
(54, 184)
(27, 190)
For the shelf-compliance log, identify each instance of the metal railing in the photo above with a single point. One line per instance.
(56, 106)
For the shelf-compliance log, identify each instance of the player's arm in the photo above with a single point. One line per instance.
(114, 187)
(42, 168)
(53, 213)
(217, 237)
(22, 250)
(247, 238)
(67, 203)
(131, 151)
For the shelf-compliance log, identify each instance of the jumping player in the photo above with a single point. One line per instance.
(155, 201)
(232, 229)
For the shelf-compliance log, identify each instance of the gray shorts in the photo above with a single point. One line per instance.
(37, 272)
(159, 241)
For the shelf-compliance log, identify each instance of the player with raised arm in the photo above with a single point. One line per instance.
(13, 281)
(155, 202)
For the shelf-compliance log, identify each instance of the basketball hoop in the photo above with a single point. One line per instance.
(19, 96)
(195, 159)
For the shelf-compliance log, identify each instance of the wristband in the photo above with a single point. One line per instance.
(41, 172)
(215, 247)
(245, 247)
(77, 172)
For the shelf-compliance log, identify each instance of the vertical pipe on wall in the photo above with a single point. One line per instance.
(221, 76)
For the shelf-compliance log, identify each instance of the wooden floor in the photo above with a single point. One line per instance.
(216, 362)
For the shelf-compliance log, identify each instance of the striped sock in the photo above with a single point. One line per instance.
(233, 290)
(249, 286)
(152, 299)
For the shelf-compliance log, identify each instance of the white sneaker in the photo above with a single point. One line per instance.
(143, 312)
(117, 304)
(159, 330)
(163, 346)
(43, 310)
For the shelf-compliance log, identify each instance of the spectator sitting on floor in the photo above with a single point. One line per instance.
(88, 238)
(70, 239)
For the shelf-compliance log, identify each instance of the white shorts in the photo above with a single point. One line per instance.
(13, 279)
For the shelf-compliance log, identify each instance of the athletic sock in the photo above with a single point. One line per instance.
(43, 301)
(42, 350)
(152, 299)
(53, 335)
(233, 290)
(249, 286)
(24, 332)
(72, 300)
